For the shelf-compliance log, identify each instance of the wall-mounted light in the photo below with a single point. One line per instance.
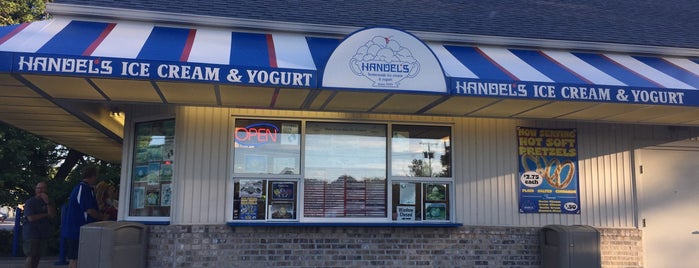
(117, 115)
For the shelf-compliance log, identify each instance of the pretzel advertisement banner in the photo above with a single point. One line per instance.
(548, 170)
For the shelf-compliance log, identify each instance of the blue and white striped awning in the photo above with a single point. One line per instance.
(139, 50)
(490, 63)
(73, 47)
(565, 75)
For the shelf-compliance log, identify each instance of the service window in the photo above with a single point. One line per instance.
(152, 169)
(266, 168)
(421, 173)
(313, 171)
(267, 147)
(417, 201)
(421, 151)
(345, 170)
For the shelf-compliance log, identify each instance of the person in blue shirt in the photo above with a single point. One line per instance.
(37, 229)
(82, 209)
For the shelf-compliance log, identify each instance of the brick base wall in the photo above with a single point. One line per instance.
(468, 246)
(621, 248)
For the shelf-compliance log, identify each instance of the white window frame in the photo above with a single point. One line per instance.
(130, 166)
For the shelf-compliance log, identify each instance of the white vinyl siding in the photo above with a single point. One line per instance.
(202, 177)
(484, 166)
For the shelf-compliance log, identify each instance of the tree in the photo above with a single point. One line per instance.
(419, 168)
(19, 11)
(26, 159)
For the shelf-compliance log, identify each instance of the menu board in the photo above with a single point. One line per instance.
(314, 196)
(375, 200)
(345, 197)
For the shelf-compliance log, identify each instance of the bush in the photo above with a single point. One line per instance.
(5, 243)
(6, 238)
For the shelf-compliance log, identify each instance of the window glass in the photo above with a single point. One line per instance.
(345, 170)
(421, 151)
(151, 179)
(266, 146)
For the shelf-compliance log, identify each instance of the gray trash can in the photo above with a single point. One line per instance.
(111, 244)
(570, 246)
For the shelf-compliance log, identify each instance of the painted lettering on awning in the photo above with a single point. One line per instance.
(566, 92)
(139, 69)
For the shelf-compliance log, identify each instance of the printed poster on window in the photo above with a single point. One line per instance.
(248, 208)
(405, 213)
(548, 170)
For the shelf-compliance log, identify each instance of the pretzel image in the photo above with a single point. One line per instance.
(551, 170)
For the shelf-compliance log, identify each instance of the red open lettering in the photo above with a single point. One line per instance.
(255, 135)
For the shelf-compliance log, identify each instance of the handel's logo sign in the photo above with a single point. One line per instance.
(384, 59)
(385, 62)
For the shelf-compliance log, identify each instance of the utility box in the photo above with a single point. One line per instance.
(111, 244)
(570, 246)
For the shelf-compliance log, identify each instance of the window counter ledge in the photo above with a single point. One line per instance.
(346, 224)
(151, 222)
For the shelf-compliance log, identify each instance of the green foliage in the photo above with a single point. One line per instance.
(7, 237)
(108, 172)
(19, 11)
(419, 168)
(25, 159)
(5, 242)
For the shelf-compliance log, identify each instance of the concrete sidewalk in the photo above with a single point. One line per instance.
(18, 262)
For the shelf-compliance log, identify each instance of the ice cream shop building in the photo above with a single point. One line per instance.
(362, 133)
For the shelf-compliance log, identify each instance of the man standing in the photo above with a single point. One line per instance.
(82, 209)
(37, 229)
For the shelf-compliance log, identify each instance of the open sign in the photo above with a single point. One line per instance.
(256, 134)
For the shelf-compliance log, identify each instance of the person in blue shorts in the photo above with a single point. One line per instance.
(82, 209)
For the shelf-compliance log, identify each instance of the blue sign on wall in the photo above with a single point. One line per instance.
(548, 173)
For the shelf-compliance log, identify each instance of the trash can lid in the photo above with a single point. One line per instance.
(570, 228)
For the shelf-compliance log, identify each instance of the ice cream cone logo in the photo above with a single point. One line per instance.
(385, 62)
